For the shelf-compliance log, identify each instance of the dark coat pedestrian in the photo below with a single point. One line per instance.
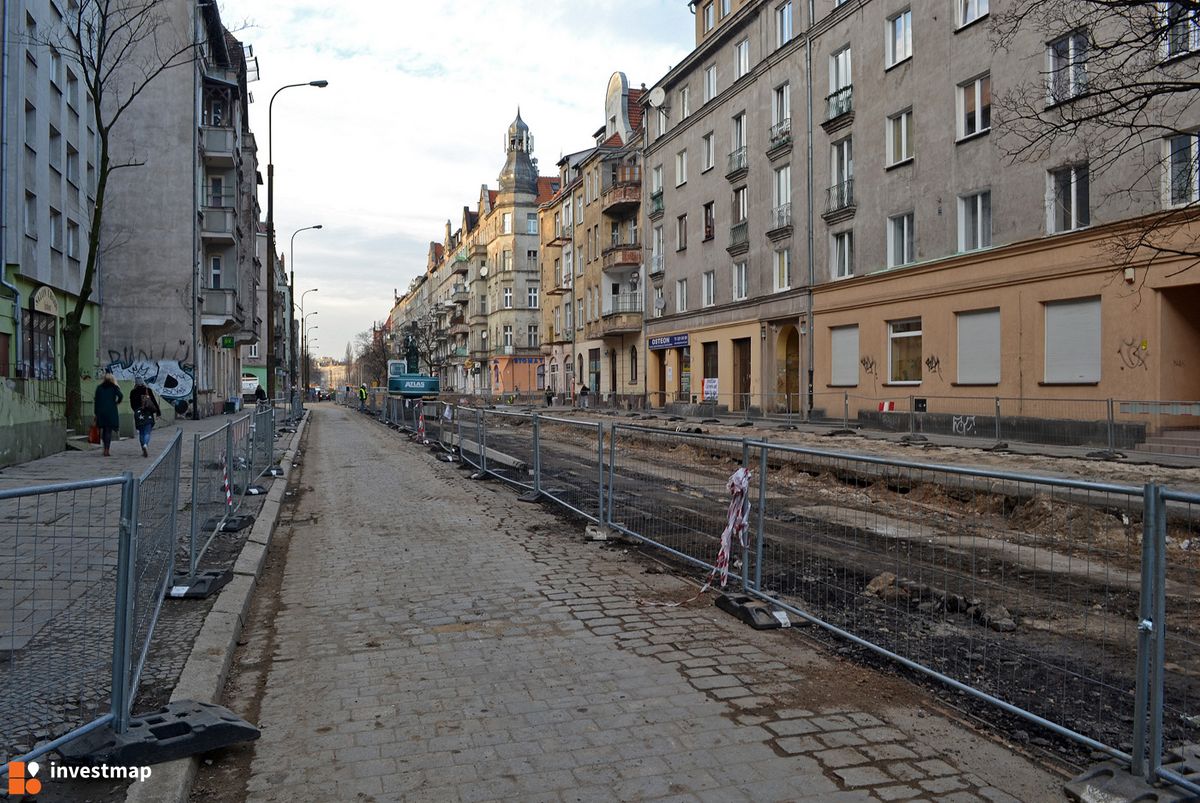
(145, 409)
(108, 418)
(260, 395)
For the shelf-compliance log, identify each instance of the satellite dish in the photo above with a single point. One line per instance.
(660, 303)
(483, 272)
(633, 280)
(658, 96)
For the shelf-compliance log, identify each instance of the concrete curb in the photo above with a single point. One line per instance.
(204, 674)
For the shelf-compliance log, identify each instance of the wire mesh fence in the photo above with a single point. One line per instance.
(469, 436)
(59, 548)
(240, 476)
(212, 492)
(263, 450)
(571, 464)
(509, 447)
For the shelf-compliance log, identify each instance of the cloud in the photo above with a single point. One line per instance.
(413, 120)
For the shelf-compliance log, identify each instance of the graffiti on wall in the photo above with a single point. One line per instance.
(169, 376)
(934, 364)
(1133, 352)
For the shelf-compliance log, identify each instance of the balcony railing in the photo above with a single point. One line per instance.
(458, 352)
(656, 202)
(656, 264)
(460, 294)
(781, 216)
(621, 303)
(622, 254)
(739, 233)
(738, 160)
(621, 197)
(839, 196)
(219, 307)
(781, 132)
(218, 143)
(218, 222)
(839, 102)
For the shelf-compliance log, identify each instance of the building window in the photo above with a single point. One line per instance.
(508, 336)
(1184, 168)
(708, 152)
(569, 315)
(781, 106)
(900, 249)
(843, 346)
(971, 10)
(739, 132)
(975, 221)
(40, 349)
(656, 179)
(506, 223)
(681, 168)
(739, 205)
(685, 105)
(741, 58)
(842, 169)
(710, 221)
(72, 165)
(739, 281)
(681, 295)
(904, 350)
(633, 365)
(506, 260)
(979, 347)
(783, 189)
(663, 121)
(899, 37)
(660, 302)
(899, 137)
(709, 17)
(31, 126)
(1183, 28)
(681, 232)
(72, 90)
(252, 353)
(579, 315)
(72, 239)
(709, 289)
(726, 6)
(531, 258)
(56, 232)
(843, 254)
(710, 82)
(1068, 204)
(1067, 57)
(783, 24)
(508, 298)
(531, 296)
(975, 106)
(31, 228)
(532, 336)
(531, 226)
(1073, 341)
(56, 69)
(214, 272)
(782, 260)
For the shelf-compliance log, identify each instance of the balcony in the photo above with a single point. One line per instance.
(780, 138)
(459, 265)
(459, 294)
(622, 255)
(621, 198)
(219, 146)
(781, 222)
(839, 202)
(503, 351)
(458, 326)
(218, 224)
(478, 250)
(839, 109)
(459, 353)
(739, 238)
(562, 235)
(739, 164)
(218, 309)
(656, 264)
(656, 204)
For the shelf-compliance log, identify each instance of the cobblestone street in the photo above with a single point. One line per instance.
(434, 639)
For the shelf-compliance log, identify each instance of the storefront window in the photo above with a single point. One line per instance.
(39, 344)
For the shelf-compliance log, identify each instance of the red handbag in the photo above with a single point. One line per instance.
(94, 433)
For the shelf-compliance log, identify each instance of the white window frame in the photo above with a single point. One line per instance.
(893, 336)
(1181, 35)
(681, 295)
(740, 207)
(216, 267)
(841, 254)
(531, 296)
(72, 239)
(507, 332)
(899, 123)
(974, 90)
(740, 288)
(781, 103)
(656, 178)
(709, 12)
(681, 168)
(531, 223)
(508, 298)
(783, 23)
(506, 223)
(841, 69)
(741, 59)
(899, 38)
(978, 346)
(783, 185)
(681, 232)
(1182, 169)
(1072, 341)
(1066, 67)
(708, 151)
(901, 240)
(781, 269)
(659, 308)
(663, 121)
(981, 237)
(709, 289)
(685, 103)
(710, 82)
(1076, 207)
(971, 10)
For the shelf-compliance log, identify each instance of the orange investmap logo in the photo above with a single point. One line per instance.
(22, 778)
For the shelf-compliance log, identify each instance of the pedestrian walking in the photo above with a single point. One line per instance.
(108, 418)
(583, 396)
(362, 396)
(145, 409)
(549, 396)
(260, 395)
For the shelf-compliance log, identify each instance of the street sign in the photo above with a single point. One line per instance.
(227, 342)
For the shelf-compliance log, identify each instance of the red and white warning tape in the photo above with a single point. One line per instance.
(225, 486)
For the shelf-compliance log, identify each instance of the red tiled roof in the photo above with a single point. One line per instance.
(635, 109)
(545, 188)
(437, 251)
(492, 197)
(613, 141)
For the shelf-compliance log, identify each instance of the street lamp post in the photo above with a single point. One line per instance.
(271, 238)
(305, 328)
(292, 320)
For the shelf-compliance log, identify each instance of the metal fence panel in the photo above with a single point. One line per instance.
(669, 488)
(212, 495)
(264, 441)
(509, 447)
(1023, 589)
(59, 550)
(470, 435)
(571, 464)
(240, 450)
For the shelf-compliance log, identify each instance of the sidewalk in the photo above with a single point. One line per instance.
(433, 639)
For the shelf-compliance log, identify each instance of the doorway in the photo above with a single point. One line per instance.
(741, 373)
(787, 370)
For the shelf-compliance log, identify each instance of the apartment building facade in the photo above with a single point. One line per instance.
(908, 256)
(183, 227)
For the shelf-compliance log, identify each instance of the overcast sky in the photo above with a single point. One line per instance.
(413, 121)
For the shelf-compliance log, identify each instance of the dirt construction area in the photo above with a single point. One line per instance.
(421, 636)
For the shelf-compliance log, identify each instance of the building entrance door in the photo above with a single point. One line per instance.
(741, 373)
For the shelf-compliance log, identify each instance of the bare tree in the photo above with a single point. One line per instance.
(427, 337)
(372, 356)
(118, 47)
(1119, 86)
